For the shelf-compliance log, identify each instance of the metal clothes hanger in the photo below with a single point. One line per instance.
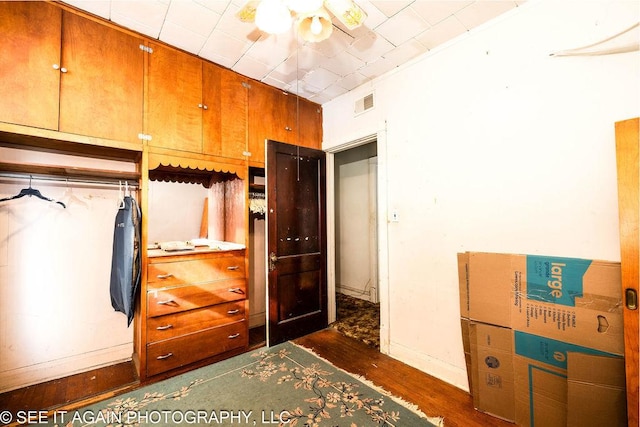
(32, 192)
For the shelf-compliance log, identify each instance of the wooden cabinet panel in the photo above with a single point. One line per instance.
(182, 298)
(165, 355)
(173, 107)
(101, 93)
(310, 124)
(271, 116)
(282, 117)
(225, 121)
(173, 325)
(29, 83)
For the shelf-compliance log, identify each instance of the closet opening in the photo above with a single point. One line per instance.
(356, 249)
(257, 258)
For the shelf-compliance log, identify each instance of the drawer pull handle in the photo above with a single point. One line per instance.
(164, 276)
(234, 336)
(236, 290)
(236, 311)
(166, 302)
(164, 356)
(164, 327)
(233, 267)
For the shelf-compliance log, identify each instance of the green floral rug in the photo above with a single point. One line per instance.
(285, 385)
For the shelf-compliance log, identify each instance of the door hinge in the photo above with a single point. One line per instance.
(144, 137)
(246, 85)
(246, 153)
(146, 48)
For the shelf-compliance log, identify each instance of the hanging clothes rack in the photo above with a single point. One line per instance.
(102, 181)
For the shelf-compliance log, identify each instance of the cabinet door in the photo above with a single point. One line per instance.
(310, 124)
(29, 83)
(272, 116)
(225, 120)
(101, 92)
(173, 108)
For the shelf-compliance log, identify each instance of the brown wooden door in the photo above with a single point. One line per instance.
(296, 218)
(101, 92)
(627, 149)
(29, 83)
(173, 108)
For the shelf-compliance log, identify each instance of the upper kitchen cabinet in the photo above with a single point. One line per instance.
(173, 108)
(283, 117)
(67, 73)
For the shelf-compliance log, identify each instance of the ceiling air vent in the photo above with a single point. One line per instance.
(364, 104)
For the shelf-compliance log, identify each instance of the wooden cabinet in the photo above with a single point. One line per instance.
(173, 107)
(64, 72)
(282, 117)
(196, 308)
(225, 125)
(31, 35)
(194, 105)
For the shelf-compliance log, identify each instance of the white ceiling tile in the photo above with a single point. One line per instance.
(144, 16)
(222, 45)
(178, 36)
(374, 16)
(101, 8)
(302, 88)
(321, 78)
(482, 11)
(342, 64)
(275, 82)
(231, 25)
(377, 68)
(391, 7)
(442, 32)
(338, 42)
(189, 14)
(402, 26)
(249, 67)
(406, 52)
(218, 6)
(435, 11)
(352, 81)
(370, 47)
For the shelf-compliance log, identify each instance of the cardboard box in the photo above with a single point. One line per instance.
(522, 315)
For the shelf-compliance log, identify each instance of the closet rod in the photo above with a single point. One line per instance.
(78, 180)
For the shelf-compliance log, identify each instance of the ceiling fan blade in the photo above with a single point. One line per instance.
(347, 12)
(247, 13)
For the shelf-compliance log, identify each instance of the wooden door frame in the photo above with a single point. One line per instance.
(379, 136)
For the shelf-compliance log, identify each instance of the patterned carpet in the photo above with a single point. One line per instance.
(358, 318)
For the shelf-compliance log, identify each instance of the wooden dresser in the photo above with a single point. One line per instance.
(196, 307)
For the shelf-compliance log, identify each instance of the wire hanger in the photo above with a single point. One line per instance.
(32, 192)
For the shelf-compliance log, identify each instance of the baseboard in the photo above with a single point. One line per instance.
(443, 371)
(257, 319)
(51, 370)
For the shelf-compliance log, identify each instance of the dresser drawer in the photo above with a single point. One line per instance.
(189, 297)
(176, 352)
(173, 325)
(225, 265)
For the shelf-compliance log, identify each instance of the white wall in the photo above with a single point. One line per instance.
(493, 145)
(56, 317)
(177, 210)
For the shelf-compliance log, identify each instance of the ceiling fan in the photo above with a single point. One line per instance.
(311, 17)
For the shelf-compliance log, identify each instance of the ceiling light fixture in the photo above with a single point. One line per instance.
(312, 19)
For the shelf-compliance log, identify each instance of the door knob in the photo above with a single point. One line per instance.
(273, 258)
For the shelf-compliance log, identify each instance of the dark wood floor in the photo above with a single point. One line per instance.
(432, 396)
